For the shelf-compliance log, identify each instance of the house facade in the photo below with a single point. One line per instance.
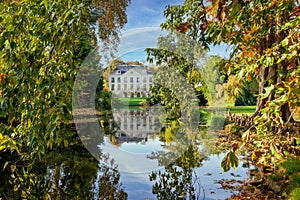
(130, 81)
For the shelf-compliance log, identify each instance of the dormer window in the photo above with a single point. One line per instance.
(119, 72)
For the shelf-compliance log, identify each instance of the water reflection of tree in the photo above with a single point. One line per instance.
(178, 179)
(184, 151)
(70, 173)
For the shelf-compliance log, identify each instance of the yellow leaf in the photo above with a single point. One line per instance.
(12, 168)
(249, 78)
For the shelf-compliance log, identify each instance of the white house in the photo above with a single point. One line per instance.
(130, 81)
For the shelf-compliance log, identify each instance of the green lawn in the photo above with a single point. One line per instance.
(242, 109)
(132, 101)
(239, 110)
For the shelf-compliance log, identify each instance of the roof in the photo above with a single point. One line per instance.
(122, 69)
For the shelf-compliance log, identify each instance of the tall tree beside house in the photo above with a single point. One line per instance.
(177, 54)
(42, 45)
(264, 38)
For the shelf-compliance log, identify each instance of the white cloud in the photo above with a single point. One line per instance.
(135, 41)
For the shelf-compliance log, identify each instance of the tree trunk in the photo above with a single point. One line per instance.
(260, 102)
(269, 75)
(286, 113)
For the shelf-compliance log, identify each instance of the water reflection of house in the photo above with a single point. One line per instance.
(134, 125)
(130, 81)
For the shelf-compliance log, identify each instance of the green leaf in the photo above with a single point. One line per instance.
(5, 165)
(283, 57)
(268, 91)
(229, 161)
(66, 143)
(285, 42)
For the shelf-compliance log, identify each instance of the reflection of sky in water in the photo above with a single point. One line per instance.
(142, 148)
(132, 162)
(135, 169)
(138, 186)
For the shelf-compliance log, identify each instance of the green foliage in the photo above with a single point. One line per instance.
(102, 97)
(263, 45)
(37, 59)
(295, 195)
(42, 46)
(182, 59)
(292, 170)
(263, 37)
(211, 76)
(247, 96)
(230, 161)
(232, 89)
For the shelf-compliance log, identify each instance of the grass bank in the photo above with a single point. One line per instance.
(239, 110)
(132, 101)
(242, 109)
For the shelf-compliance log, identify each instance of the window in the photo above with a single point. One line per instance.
(112, 79)
(144, 87)
(125, 79)
(144, 80)
(131, 86)
(119, 87)
(119, 72)
(150, 79)
(125, 86)
(131, 79)
(112, 87)
(137, 79)
(119, 80)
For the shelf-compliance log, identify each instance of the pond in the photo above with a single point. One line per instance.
(136, 157)
(139, 148)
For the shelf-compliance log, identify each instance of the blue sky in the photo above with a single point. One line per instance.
(144, 17)
(147, 13)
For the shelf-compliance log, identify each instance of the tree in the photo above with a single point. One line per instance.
(211, 76)
(42, 46)
(248, 94)
(232, 89)
(264, 38)
(178, 57)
